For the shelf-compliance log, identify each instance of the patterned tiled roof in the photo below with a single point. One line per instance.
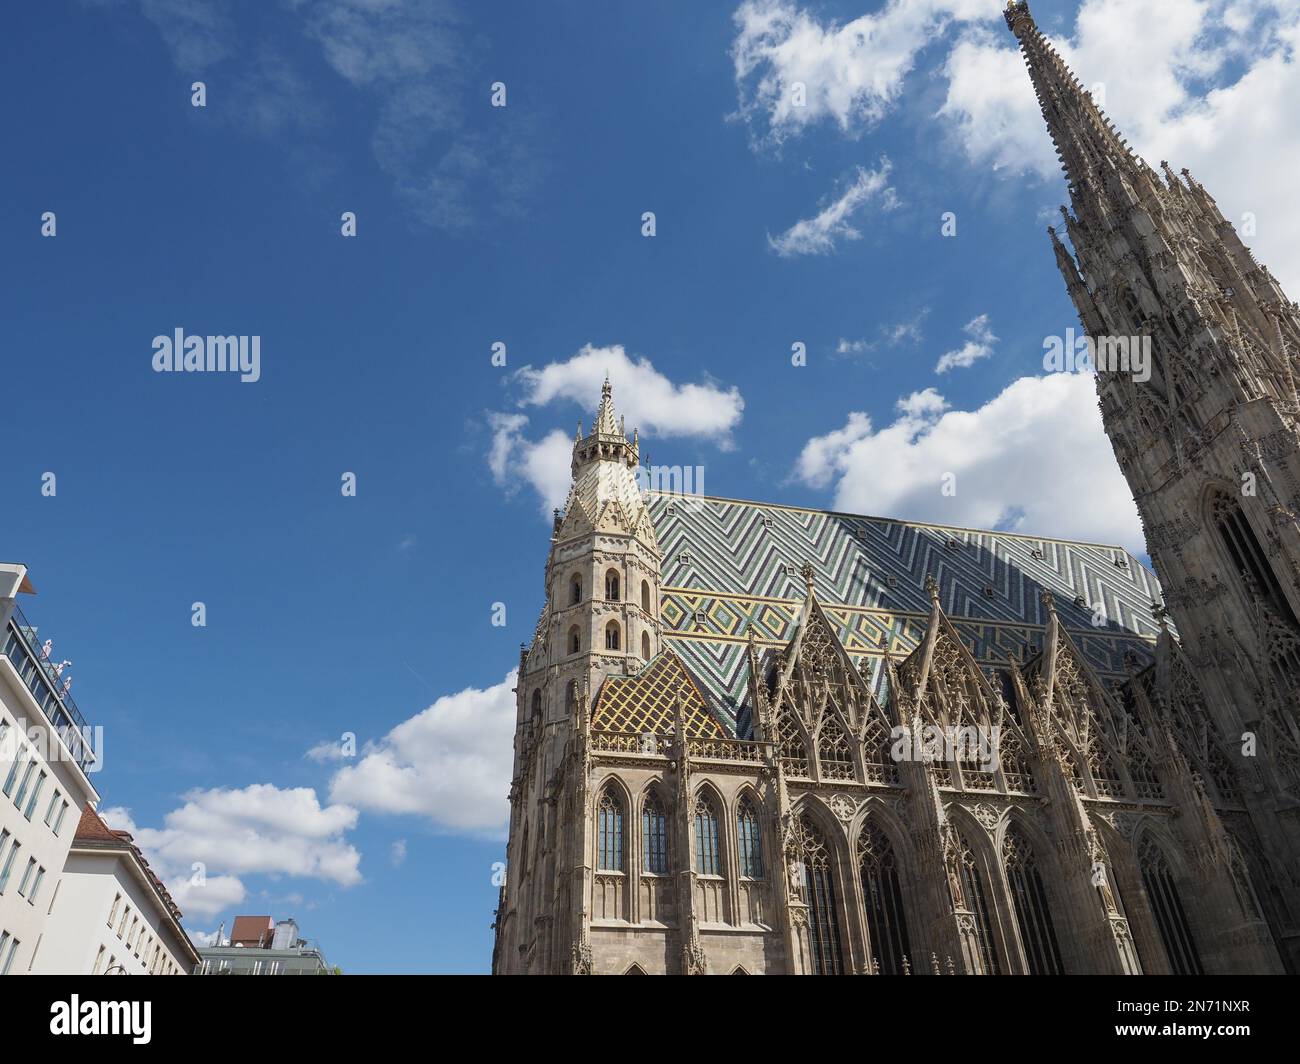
(644, 703)
(730, 567)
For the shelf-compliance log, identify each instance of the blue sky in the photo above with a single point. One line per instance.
(519, 224)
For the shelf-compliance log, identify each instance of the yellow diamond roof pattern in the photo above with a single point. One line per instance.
(644, 703)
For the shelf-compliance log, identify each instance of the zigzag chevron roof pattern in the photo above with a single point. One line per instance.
(731, 566)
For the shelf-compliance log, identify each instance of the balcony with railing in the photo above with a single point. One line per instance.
(42, 678)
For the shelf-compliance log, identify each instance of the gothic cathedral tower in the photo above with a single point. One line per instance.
(1207, 434)
(600, 619)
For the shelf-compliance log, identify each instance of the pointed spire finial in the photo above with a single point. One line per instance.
(932, 587)
(808, 573)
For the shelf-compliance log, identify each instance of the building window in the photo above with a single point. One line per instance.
(7, 866)
(575, 591)
(654, 836)
(1167, 905)
(610, 818)
(98, 966)
(790, 743)
(575, 640)
(749, 840)
(976, 903)
(1248, 557)
(611, 635)
(611, 585)
(36, 796)
(52, 808)
(833, 750)
(707, 861)
(571, 698)
(27, 877)
(886, 923)
(645, 595)
(8, 950)
(645, 646)
(36, 887)
(1033, 918)
(823, 908)
(14, 769)
(58, 821)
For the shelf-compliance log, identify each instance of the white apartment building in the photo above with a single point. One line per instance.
(112, 916)
(46, 756)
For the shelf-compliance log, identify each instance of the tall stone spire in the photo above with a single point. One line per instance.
(1206, 430)
(1086, 141)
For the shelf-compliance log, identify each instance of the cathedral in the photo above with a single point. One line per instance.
(759, 739)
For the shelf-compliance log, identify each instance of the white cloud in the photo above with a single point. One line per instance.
(397, 853)
(648, 399)
(850, 74)
(450, 763)
(1033, 459)
(980, 345)
(260, 829)
(1152, 63)
(817, 235)
(542, 464)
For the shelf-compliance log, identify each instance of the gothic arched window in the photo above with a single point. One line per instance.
(611, 585)
(823, 907)
(707, 860)
(886, 923)
(977, 904)
(575, 640)
(1033, 918)
(610, 820)
(645, 645)
(794, 751)
(877, 753)
(1016, 770)
(749, 840)
(575, 590)
(1167, 905)
(571, 698)
(536, 715)
(833, 750)
(654, 836)
(1248, 556)
(645, 595)
(611, 635)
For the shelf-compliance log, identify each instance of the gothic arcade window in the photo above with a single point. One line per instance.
(645, 645)
(571, 698)
(611, 635)
(884, 900)
(977, 904)
(749, 840)
(1033, 918)
(575, 640)
(645, 595)
(1248, 556)
(794, 752)
(575, 590)
(707, 861)
(823, 908)
(611, 585)
(833, 750)
(609, 814)
(654, 836)
(1167, 905)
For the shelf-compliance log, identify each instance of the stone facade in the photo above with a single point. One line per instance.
(729, 759)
